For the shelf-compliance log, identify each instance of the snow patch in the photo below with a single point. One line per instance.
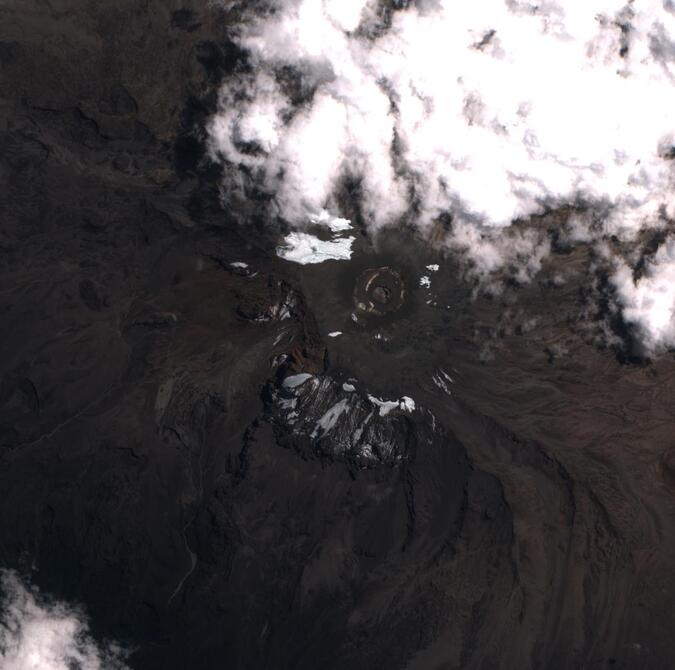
(307, 249)
(330, 418)
(405, 404)
(296, 380)
(443, 380)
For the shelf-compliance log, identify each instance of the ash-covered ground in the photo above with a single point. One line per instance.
(213, 457)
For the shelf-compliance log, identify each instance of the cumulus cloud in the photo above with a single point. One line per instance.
(39, 634)
(476, 114)
(648, 302)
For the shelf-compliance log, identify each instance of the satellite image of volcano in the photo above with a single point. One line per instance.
(337, 335)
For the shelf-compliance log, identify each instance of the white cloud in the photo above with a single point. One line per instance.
(346, 14)
(648, 303)
(334, 223)
(487, 112)
(38, 634)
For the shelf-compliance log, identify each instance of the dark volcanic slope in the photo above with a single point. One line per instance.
(184, 450)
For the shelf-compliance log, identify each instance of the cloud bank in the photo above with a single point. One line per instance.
(37, 634)
(476, 115)
(648, 302)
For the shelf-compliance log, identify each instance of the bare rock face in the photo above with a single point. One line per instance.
(318, 414)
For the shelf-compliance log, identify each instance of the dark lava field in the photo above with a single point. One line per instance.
(455, 481)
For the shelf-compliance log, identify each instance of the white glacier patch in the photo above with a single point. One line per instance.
(405, 404)
(296, 380)
(307, 249)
